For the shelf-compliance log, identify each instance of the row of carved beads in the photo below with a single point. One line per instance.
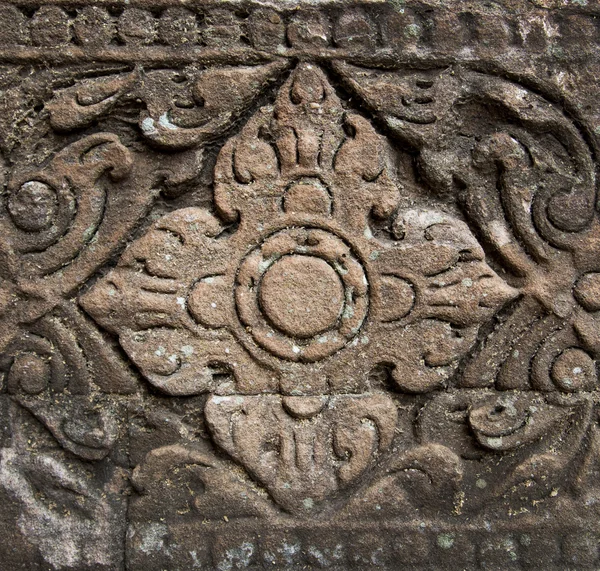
(408, 549)
(414, 27)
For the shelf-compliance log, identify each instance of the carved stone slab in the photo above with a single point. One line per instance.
(299, 285)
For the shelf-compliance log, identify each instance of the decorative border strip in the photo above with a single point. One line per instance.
(374, 546)
(102, 32)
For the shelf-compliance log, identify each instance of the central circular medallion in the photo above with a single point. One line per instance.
(302, 295)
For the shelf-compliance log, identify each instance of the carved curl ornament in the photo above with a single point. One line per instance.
(400, 303)
(299, 299)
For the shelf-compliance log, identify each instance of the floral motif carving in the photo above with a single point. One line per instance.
(183, 109)
(293, 275)
(299, 297)
(56, 363)
(303, 448)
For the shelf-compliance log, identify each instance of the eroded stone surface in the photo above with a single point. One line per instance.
(299, 286)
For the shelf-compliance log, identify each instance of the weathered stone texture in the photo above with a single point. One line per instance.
(299, 285)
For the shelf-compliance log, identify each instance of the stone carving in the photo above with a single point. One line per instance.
(291, 273)
(303, 462)
(315, 247)
(290, 314)
(62, 222)
(182, 109)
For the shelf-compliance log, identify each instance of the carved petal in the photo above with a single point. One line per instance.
(82, 104)
(180, 363)
(439, 257)
(168, 256)
(206, 485)
(301, 463)
(306, 137)
(434, 291)
(518, 443)
(183, 114)
(468, 294)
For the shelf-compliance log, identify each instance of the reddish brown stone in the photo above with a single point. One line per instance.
(299, 286)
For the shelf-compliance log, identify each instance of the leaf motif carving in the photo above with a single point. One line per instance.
(301, 463)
